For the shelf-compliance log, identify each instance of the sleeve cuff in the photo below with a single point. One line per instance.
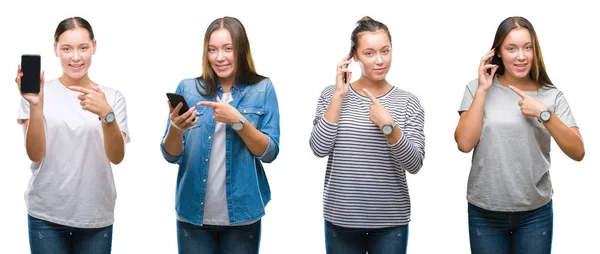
(170, 158)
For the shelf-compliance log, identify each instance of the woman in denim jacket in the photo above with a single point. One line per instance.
(220, 144)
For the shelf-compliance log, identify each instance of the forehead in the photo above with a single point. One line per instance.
(75, 36)
(518, 35)
(219, 37)
(377, 39)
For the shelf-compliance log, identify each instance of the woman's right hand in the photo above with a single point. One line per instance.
(341, 87)
(485, 79)
(32, 98)
(184, 121)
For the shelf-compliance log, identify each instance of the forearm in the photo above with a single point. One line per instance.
(35, 134)
(469, 126)
(173, 141)
(568, 139)
(256, 141)
(114, 142)
(408, 154)
(332, 114)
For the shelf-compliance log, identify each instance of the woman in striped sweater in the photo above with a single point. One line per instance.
(373, 133)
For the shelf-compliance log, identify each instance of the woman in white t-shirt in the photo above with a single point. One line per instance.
(74, 129)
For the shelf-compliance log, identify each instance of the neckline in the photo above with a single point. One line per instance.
(366, 97)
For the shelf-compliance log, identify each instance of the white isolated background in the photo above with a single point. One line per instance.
(146, 47)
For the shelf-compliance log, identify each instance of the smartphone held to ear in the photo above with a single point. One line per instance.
(345, 76)
(30, 66)
(493, 60)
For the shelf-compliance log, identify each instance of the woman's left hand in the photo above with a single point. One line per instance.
(529, 105)
(223, 112)
(378, 114)
(92, 99)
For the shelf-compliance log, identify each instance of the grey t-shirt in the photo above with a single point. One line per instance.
(511, 162)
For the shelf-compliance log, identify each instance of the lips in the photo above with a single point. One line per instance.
(222, 67)
(521, 67)
(379, 69)
(76, 67)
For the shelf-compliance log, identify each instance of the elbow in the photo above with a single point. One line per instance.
(116, 159)
(36, 156)
(464, 148)
(579, 156)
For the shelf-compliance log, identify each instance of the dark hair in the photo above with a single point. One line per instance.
(71, 23)
(366, 24)
(245, 73)
(538, 69)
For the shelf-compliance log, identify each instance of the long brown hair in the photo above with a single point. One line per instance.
(538, 69)
(245, 73)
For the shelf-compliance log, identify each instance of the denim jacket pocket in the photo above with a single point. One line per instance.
(252, 114)
(199, 113)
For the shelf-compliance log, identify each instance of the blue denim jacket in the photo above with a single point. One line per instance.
(247, 188)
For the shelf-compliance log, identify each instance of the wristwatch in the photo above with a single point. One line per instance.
(387, 129)
(109, 118)
(239, 124)
(544, 116)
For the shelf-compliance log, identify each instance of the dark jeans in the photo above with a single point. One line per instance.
(218, 239)
(360, 240)
(510, 232)
(49, 238)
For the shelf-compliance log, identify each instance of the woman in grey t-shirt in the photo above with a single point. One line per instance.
(508, 115)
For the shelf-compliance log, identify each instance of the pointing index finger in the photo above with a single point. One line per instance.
(79, 89)
(211, 104)
(370, 95)
(518, 91)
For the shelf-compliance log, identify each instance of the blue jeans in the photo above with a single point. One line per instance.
(511, 232)
(49, 238)
(218, 239)
(360, 240)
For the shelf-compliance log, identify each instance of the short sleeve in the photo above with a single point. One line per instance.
(563, 110)
(120, 110)
(23, 111)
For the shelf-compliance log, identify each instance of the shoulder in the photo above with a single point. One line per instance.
(110, 92)
(398, 93)
(473, 84)
(263, 85)
(328, 91)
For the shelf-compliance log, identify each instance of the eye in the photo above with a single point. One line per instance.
(65, 49)
(385, 51)
(229, 49)
(84, 48)
(369, 53)
(528, 47)
(510, 49)
(211, 50)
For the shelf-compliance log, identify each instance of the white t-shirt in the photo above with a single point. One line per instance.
(215, 210)
(73, 185)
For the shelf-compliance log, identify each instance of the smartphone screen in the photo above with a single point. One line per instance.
(30, 66)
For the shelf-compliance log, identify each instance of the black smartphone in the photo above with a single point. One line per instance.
(345, 78)
(30, 66)
(493, 60)
(175, 99)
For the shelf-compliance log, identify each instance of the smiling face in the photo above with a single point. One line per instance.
(221, 56)
(517, 53)
(75, 49)
(374, 54)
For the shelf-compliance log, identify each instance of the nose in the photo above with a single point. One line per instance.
(75, 55)
(220, 56)
(379, 59)
(520, 55)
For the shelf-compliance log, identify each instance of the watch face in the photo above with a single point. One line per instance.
(387, 129)
(545, 115)
(237, 126)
